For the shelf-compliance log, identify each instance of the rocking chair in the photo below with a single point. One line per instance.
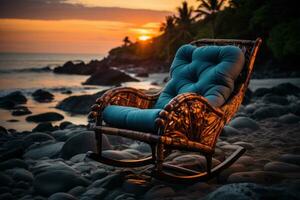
(208, 80)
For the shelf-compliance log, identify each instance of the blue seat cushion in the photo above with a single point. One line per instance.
(131, 118)
(209, 71)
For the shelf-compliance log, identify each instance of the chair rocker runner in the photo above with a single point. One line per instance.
(208, 80)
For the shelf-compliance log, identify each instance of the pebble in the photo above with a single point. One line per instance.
(244, 122)
(49, 150)
(281, 167)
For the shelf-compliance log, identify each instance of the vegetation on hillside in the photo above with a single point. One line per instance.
(276, 21)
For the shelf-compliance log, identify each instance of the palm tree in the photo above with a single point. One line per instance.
(184, 21)
(210, 8)
(168, 29)
(126, 41)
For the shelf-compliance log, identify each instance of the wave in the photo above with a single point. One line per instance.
(24, 70)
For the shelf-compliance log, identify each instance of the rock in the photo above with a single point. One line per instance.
(42, 96)
(229, 131)
(80, 67)
(98, 174)
(246, 145)
(80, 104)
(13, 163)
(9, 101)
(5, 180)
(36, 137)
(269, 98)
(290, 158)
(244, 122)
(6, 196)
(142, 74)
(44, 127)
(62, 196)
(51, 182)
(21, 111)
(109, 182)
(250, 191)
(82, 143)
(64, 124)
(94, 193)
(247, 97)
(135, 186)
(289, 119)
(159, 192)
(3, 131)
(49, 150)
(109, 77)
(281, 167)
(51, 165)
(222, 177)
(66, 92)
(295, 108)
(285, 89)
(20, 174)
(245, 160)
(270, 111)
(78, 158)
(263, 177)
(45, 117)
(251, 108)
(260, 92)
(22, 185)
(118, 155)
(141, 147)
(125, 196)
(77, 191)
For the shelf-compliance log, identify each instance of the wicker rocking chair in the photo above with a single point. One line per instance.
(188, 122)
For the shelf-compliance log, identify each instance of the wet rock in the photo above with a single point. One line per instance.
(20, 174)
(109, 182)
(62, 196)
(159, 192)
(135, 186)
(51, 182)
(255, 177)
(109, 77)
(11, 100)
(270, 111)
(250, 108)
(246, 145)
(269, 98)
(94, 193)
(42, 96)
(49, 150)
(260, 92)
(51, 165)
(98, 174)
(118, 155)
(6, 196)
(290, 158)
(245, 160)
(80, 104)
(36, 137)
(5, 180)
(141, 147)
(250, 191)
(244, 122)
(45, 117)
(82, 143)
(232, 169)
(21, 111)
(281, 167)
(13, 163)
(229, 131)
(79, 67)
(64, 124)
(44, 127)
(289, 119)
(77, 191)
(78, 158)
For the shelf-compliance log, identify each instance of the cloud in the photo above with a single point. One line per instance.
(61, 10)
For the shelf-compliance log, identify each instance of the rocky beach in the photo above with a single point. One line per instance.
(49, 161)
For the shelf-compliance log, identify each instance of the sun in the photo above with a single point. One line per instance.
(144, 37)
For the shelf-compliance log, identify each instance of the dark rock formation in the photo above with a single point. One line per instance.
(108, 77)
(11, 100)
(80, 68)
(45, 117)
(42, 96)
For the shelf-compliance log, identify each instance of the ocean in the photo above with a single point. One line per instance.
(27, 72)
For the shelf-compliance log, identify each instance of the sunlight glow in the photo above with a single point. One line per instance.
(144, 37)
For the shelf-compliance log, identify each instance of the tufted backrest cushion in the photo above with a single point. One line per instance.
(209, 71)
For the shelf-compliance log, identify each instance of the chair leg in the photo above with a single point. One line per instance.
(159, 157)
(208, 164)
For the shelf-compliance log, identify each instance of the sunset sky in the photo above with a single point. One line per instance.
(78, 26)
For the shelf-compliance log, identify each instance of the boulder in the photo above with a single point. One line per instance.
(229, 131)
(109, 77)
(49, 150)
(11, 100)
(82, 143)
(250, 191)
(289, 118)
(159, 192)
(118, 155)
(51, 165)
(45, 117)
(5, 180)
(94, 193)
(62, 196)
(42, 96)
(281, 167)
(21, 111)
(20, 174)
(36, 137)
(290, 158)
(51, 182)
(108, 182)
(13, 163)
(281, 100)
(270, 111)
(244, 122)
(263, 177)
(80, 104)
(44, 127)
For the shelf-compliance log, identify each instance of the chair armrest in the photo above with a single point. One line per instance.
(122, 96)
(192, 115)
